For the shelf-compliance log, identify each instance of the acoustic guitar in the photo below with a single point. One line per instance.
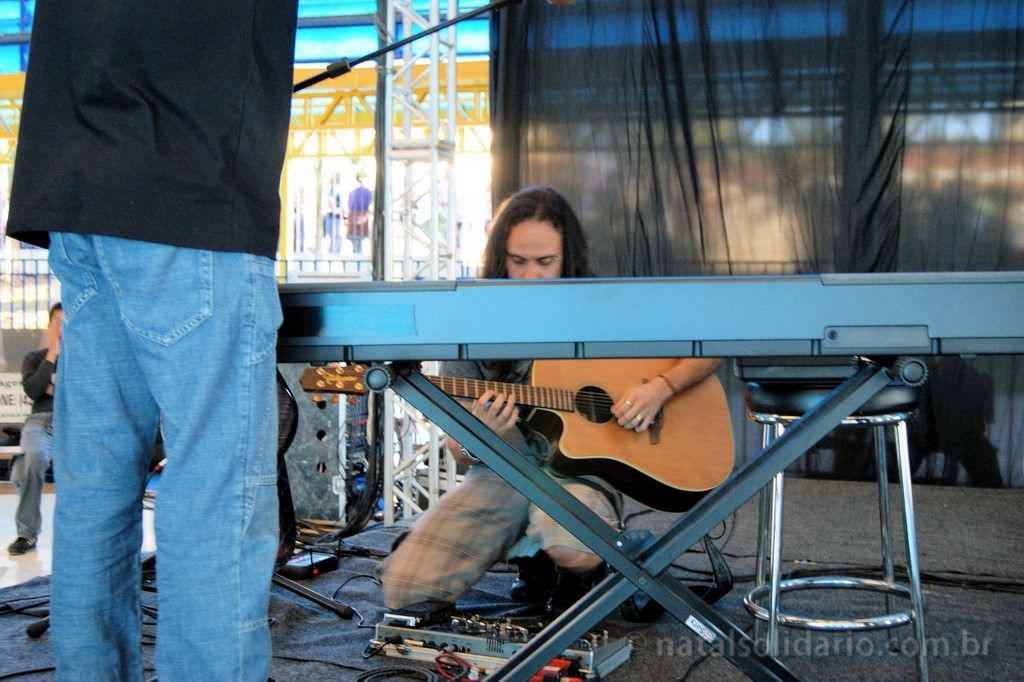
(687, 451)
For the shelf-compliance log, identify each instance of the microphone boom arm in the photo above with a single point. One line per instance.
(343, 66)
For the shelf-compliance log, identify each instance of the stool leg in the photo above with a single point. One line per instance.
(777, 487)
(775, 563)
(763, 526)
(885, 521)
(913, 568)
(761, 557)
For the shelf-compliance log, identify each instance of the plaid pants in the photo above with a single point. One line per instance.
(470, 528)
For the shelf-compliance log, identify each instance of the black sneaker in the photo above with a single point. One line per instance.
(536, 581)
(21, 546)
(572, 586)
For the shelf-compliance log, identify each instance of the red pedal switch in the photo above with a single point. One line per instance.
(555, 671)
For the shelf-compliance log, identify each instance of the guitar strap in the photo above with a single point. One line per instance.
(640, 608)
(721, 576)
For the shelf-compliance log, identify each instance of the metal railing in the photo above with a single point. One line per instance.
(27, 289)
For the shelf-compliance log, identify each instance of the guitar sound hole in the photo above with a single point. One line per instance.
(594, 405)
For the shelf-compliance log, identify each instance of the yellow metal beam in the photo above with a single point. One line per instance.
(343, 103)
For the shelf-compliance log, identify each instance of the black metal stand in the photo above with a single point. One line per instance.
(343, 66)
(636, 567)
(337, 607)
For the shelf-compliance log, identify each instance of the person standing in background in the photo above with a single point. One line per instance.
(359, 201)
(334, 214)
(152, 140)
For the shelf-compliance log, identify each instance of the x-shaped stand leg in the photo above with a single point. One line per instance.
(643, 569)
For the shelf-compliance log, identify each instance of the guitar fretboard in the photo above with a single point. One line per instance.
(560, 399)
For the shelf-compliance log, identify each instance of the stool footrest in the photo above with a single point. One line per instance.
(888, 620)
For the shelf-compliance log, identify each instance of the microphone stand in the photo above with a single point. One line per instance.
(288, 420)
(343, 66)
(342, 610)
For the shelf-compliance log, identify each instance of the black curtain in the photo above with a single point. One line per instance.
(730, 137)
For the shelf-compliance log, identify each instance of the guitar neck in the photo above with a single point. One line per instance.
(560, 399)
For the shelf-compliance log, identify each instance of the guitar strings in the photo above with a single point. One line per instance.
(594, 404)
(592, 400)
(603, 401)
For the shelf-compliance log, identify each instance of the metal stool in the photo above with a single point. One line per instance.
(775, 406)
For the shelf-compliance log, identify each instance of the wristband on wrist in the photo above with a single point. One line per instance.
(665, 379)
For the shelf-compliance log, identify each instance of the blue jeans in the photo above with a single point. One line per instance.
(184, 340)
(28, 473)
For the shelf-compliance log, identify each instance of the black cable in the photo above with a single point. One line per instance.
(990, 583)
(319, 661)
(636, 514)
(334, 595)
(373, 485)
(372, 648)
(6, 606)
(373, 481)
(329, 544)
(35, 671)
(693, 666)
(703, 659)
(900, 573)
(10, 611)
(346, 582)
(386, 674)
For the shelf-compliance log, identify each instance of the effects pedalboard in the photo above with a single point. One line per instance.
(487, 644)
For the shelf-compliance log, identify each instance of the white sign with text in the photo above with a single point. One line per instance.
(15, 406)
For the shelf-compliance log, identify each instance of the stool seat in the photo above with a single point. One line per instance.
(789, 401)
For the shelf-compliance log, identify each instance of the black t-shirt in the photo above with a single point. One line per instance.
(157, 120)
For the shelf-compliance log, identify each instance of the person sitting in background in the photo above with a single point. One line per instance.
(28, 470)
(534, 235)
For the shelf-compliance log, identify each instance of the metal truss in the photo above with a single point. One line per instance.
(420, 235)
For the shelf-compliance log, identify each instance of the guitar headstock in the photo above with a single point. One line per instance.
(334, 378)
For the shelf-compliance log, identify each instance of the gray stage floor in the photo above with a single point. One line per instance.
(971, 543)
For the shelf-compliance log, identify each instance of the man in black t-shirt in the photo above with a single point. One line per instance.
(150, 151)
